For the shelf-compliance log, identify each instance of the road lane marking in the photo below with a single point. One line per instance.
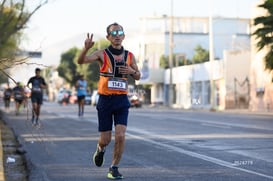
(196, 155)
(219, 122)
(231, 124)
(216, 125)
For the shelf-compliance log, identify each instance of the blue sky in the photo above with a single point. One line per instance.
(61, 20)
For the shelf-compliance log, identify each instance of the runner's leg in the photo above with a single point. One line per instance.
(119, 143)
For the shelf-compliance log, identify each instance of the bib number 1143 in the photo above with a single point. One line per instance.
(117, 84)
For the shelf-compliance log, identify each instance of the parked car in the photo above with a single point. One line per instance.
(45, 97)
(135, 100)
(87, 100)
(73, 99)
(63, 96)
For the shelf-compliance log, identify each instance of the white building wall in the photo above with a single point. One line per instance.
(183, 95)
(157, 94)
(196, 72)
(192, 82)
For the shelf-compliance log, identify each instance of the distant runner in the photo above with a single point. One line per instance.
(81, 87)
(7, 97)
(19, 96)
(37, 85)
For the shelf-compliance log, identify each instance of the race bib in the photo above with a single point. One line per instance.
(36, 89)
(7, 94)
(18, 96)
(117, 84)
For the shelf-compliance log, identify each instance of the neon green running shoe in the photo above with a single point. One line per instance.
(114, 173)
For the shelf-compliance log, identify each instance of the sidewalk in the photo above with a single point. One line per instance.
(2, 175)
(237, 111)
(9, 148)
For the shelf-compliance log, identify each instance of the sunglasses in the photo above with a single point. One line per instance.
(117, 32)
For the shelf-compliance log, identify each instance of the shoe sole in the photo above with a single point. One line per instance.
(95, 162)
(109, 176)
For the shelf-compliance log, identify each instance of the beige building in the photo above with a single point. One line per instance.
(236, 78)
(260, 79)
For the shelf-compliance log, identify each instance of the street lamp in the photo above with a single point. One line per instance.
(171, 57)
(211, 56)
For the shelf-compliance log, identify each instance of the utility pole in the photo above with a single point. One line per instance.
(171, 57)
(211, 56)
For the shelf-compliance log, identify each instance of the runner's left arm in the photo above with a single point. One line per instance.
(43, 84)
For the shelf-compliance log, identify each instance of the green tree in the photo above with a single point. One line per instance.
(3, 78)
(264, 33)
(201, 55)
(164, 62)
(68, 68)
(14, 17)
(177, 61)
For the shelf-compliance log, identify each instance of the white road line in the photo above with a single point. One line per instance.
(216, 125)
(231, 124)
(197, 155)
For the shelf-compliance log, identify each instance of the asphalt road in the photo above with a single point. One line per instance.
(161, 145)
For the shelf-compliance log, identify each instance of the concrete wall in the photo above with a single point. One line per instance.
(237, 67)
(260, 79)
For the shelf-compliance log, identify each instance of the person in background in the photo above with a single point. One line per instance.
(27, 95)
(37, 85)
(19, 96)
(7, 96)
(81, 87)
(116, 64)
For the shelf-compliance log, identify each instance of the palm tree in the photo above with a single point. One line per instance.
(264, 33)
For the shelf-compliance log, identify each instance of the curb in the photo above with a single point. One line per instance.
(2, 173)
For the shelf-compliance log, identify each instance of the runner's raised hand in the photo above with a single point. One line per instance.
(89, 43)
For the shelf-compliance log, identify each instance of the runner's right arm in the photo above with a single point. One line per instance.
(95, 56)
